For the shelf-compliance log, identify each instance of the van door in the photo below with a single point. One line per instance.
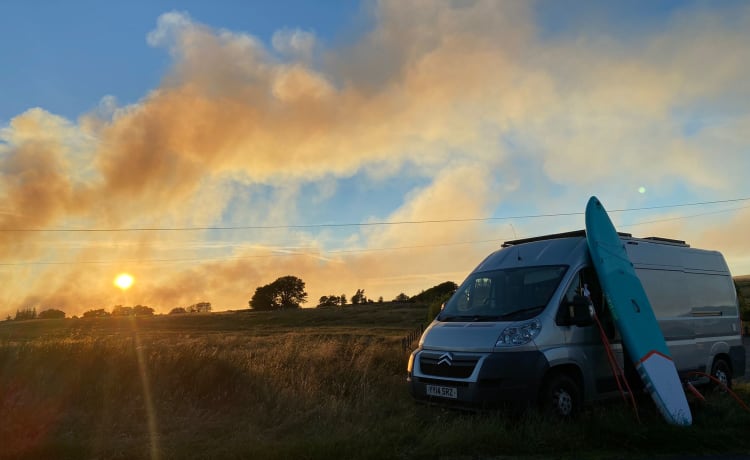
(585, 342)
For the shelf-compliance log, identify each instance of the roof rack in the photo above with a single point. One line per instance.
(666, 240)
(577, 233)
(553, 236)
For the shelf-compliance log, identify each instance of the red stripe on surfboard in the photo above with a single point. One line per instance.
(653, 352)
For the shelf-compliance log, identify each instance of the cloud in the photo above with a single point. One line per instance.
(40, 179)
(294, 43)
(169, 27)
(470, 96)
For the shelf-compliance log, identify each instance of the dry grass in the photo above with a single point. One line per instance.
(306, 384)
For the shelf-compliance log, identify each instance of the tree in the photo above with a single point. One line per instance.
(285, 292)
(325, 302)
(119, 310)
(342, 299)
(200, 307)
(291, 291)
(51, 314)
(177, 311)
(263, 299)
(26, 313)
(329, 301)
(143, 310)
(98, 313)
(401, 298)
(359, 297)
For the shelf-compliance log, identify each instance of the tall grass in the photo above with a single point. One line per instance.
(300, 385)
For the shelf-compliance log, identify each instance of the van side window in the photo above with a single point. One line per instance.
(686, 293)
(586, 284)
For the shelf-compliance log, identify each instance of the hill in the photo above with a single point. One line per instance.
(438, 293)
(742, 281)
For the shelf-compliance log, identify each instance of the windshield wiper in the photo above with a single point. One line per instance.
(486, 318)
(515, 313)
(472, 318)
(460, 318)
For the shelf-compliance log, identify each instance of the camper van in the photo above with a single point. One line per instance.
(517, 329)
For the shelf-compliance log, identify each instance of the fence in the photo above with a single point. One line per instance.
(411, 337)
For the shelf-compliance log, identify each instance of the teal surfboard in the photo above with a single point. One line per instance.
(634, 316)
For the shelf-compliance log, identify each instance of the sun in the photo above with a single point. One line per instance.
(124, 281)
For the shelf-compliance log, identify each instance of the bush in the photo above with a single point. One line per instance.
(119, 310)
(433, 310)
(51, 313)
(143, 310)
(98, 313)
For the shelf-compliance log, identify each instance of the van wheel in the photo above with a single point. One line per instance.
(561, 397)
(722, 372)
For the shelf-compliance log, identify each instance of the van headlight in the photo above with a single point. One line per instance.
(519, 334)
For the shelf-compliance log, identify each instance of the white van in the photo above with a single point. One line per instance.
(517, 329)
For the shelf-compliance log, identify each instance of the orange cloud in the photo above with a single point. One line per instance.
(467, 94)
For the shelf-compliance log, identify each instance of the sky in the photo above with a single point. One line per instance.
(210, 148)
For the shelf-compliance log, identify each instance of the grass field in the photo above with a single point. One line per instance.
(313, 384)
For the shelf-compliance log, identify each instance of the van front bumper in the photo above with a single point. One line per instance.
(478, 378)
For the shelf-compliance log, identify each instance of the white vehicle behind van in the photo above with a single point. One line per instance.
(516, 330)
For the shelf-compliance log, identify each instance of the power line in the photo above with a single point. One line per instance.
(287, 252)
(275, 253)
(356, 224)
(685, 217)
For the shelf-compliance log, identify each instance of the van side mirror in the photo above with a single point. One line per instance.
(580, 313)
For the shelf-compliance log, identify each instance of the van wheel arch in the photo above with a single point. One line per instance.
(561, 392)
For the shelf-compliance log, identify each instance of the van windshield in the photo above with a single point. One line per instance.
(503, 295)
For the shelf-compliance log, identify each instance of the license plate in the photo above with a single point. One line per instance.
(442, 392)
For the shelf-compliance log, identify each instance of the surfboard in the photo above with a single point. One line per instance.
(633, 316)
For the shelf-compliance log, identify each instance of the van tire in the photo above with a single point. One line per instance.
(722, 371)
(561, 397)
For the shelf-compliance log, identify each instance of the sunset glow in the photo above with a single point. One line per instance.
(124, 281)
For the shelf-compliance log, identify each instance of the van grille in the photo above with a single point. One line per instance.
(460, 366)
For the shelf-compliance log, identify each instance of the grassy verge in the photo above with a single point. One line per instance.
(307, 384)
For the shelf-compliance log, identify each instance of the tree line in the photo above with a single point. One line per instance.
(200, 307)
(118, 310)
(289, 292)
(30, 313)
